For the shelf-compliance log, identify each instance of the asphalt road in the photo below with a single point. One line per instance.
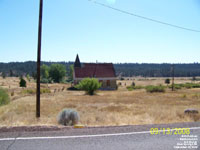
(102, 138)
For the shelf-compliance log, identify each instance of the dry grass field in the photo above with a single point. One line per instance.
(121, 107)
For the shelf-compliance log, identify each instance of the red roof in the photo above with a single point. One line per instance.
(103, 70)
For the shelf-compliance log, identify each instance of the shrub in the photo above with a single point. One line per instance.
(3, 75)
(122, 79)
(90, 85)
(4, 98)
(152, 88)
(68, 117)
(167, 81)
(12, 93)
(28, 77)
(22, 82)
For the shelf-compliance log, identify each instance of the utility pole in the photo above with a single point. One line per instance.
(173, 77)
(38, 60)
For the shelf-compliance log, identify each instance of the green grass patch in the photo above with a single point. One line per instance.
(186, 85)
(153, 88)
(45, 90)
(4, 98)
(130, 88)
(33, 91)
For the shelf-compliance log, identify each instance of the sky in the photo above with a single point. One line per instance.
(100, 34)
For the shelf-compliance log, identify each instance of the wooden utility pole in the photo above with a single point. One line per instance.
(38, 60)
(173, 77)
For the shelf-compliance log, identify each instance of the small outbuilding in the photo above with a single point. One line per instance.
(104, 72)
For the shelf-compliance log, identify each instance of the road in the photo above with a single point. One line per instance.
(100, 138)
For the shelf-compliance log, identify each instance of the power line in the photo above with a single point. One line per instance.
(143, 17)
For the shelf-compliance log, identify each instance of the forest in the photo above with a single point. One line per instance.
(121, 69)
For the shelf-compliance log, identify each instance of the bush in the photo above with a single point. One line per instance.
(22, 82)
(90, 85)
(3, 75)
(167, 81)
(28, 77)
(68, 117)
(4, 98)
(152, 88)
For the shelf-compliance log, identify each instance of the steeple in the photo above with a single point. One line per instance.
(77, 62)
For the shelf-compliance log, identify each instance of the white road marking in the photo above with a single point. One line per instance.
(85, 136)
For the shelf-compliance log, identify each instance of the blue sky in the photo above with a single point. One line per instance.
(98, 33)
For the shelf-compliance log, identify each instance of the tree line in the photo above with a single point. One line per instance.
(121, 69)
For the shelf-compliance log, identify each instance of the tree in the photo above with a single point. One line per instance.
(3, 75)
(167, 81)
(34, 75)
(44, 73)
(71, 67)
(57, 72)
(22, 82)
(194, 78)
(90, 85)
(28, 77)
(11, 73)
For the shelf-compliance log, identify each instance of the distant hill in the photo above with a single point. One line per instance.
(124, 69)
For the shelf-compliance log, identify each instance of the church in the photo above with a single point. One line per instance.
(103, 72)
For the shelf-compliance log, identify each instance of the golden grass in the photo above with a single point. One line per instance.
(120, 107)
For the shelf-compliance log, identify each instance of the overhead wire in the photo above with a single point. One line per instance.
(143, 17)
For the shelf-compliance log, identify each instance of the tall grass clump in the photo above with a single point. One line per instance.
(68, 117)
(153, 88)
(4, 98)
